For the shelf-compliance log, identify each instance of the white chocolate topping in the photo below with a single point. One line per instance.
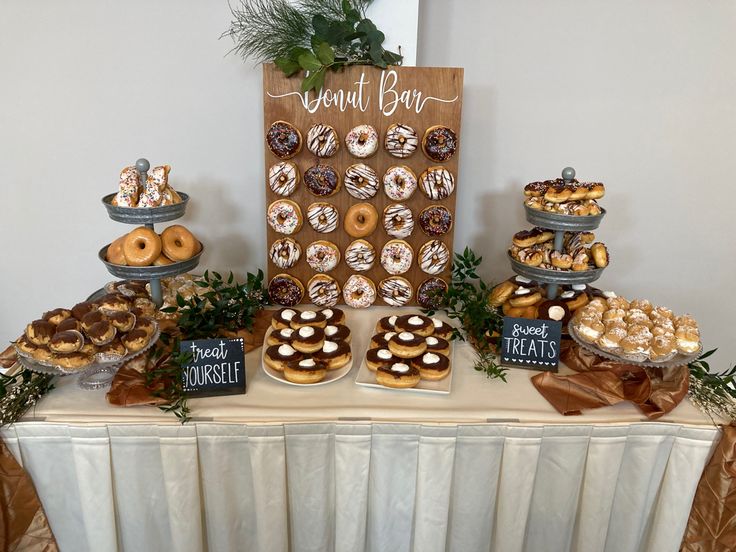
(389, 335)
(286, 350)
(432, 341)
(392, 320)
(309, 315)
(556, 312)
(286, 332)
(430, 358)
(330, 330)
(288, 314)
(579, 287)
(406, 336)
(523, 280)
(522, 291)
(328, 313)
(306, 331)
(437, 322)
(400, 367)
(567, 294)
(307, 363)
(385, 354)
(416, 321)
(329, 347)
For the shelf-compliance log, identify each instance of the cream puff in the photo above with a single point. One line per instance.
(431, 366)
(71, 361)
(305, 371)
(335, 354)
(308, 318)
(277, 357)
(69, 324)
(663, 348)
(374, 358)
(101, 332)
(589, 329)
(40, 332)
(136, 340)
(415, 324)
(123, 321)
(91, 318)
(688, 339)
(398, 375)
(113, 350)
(308, 339)
(407, 345)
(145, 324)
(114, 302)
(57, 316)
(69, 341)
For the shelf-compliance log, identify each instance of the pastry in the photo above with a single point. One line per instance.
(398, 375)
(437, 183)
(361, 181)
(438, 345)
(574, 299)
(323, 290)
(501, 293)
(431, 293)
(103, 332)
(434, 256)
(407, 345)
(322, 180)
(56, 316)
(398, 221)
(362, 141)
(69, 324)
(360, 220)
(284, 216)
(524, 297)
(71, 361)
(286, 290)
(435, 220)
(439, 143)
(284, 140)
(92, 317)
(322, 140)
(162, 260)
(431, 366)
(323, 256)
(308, 339)
(589, 329)
(688, 339)
(308, 318)
(114, 302)
(611, 339)
(115, 254)
(322, 217)
(305, 371)
(375, 358)
(528, 238)
(283, 178)
(40, 332)
(280, 337)
(635, 347)
(401, 140)
(334, 315)
(156, 182)
(396, 257)
(360, 256)
(381, 340)
(128, 189)
(441, 328)
(416, 324)
(663, 348)
(122, 321)
(112, 351)
(554, 309)
(68, 341)
(399, 182)
(643, 305)
(285, 252)
(600, 255)
(141, 247)
(386, 324)
(282, 318)
(596, 190)
(359, 292)
(338, 332)
(395, 291)
(277, 357)
(179, 244)
(335, 354)
(561, 260)
(558, 192)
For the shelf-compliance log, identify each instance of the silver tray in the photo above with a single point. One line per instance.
(555, 276)
(145, 215)
(678, 360)
(149, 272)
(569, 223)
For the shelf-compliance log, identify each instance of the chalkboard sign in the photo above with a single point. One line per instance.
(531, 344)
(217, 367)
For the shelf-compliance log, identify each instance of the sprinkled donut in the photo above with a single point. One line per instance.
(430, 293)
(322, 180)
(359, 292)
(401, 140)
(285, 252)
(437, 183)
(283, 139)
(284, 216)
(395, 291)
(323, 217)
(435, 220)
(283, 178)
(285, 290)
(439, 143)
(360, 256)
(399, 183)
(322, 140)
(323, 290)
(398, 220)
(433, 257)
(397, 256)
(129, 189)
(362, 141)
(361, 181)
(322, 255)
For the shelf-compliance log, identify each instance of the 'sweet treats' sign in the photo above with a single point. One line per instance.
(531, 343)
(217, 367)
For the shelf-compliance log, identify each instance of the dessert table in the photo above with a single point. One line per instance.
(492, 465)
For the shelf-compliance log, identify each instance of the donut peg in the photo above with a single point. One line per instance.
(143, 165)
(568, 174)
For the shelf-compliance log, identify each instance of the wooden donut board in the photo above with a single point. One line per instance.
(420, 97)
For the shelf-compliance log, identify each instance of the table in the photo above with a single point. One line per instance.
(342, 467)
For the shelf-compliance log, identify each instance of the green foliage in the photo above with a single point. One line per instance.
(314, 36)
(713, 393)
(20, 392)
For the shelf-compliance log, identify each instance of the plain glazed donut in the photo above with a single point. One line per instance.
(115, 253)
(360, 220)
(162, 260)
(178, 243)
(141, 247)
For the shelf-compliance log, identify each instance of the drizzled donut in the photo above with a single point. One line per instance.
(323, 290)
(283, 178)
(435, 220)
(285, 290)
(362, 141)
(398, 220)
(437, 183)
(284, 253)
(322, 140)
(284, 216)
(359, 292)
(399, 182)
(430, 293)
(401, 140)
(322, 180)
(361, 181)
(439, 143)
(397, 256)
(360, 256)
(395, 291)
(283, 139)
(323, 255)
(323, 217)
(434, 257)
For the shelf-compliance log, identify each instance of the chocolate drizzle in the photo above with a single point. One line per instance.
(398, 220)
(433, 257)
(401, 140)
(361, 181)
(322, 217)
(323, 290)
(360, 256)
(282, 178)
(437, 183)
(284, 253)
(395, 291)
(322, 140)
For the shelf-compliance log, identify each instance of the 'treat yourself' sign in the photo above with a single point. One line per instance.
(531, 344)
(217, 367)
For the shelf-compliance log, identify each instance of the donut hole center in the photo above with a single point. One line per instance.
(321, 255)
(177, 243)
(396, 257)
(441, 140)
(322, 219)
(141, 245)
(361, 219)
(282, 178)
(362, 138)
(281, 218)
(402, 140)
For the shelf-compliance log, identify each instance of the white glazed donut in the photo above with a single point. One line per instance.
(283, 178)
(401, 140)
(395, 291)
(129, 189)
(399, 182)
(322, 140)
(284, 216)
(323, 290)
(397, 256)
(285, 252)
(434, 257)
(322, 255)
(362, 141)
(359, 292)
(437, 183)
(360, 256)
(361, 181)
(322, 217)
(398, 220)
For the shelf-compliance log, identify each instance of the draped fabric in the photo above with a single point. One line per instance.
(365, 487)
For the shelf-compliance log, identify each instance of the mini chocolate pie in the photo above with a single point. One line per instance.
(374, 358)
(68, 341)
(145, 324)
(335, 354)
(308, 318)
(416, 324)
(114, 302)
(57, 316)
(40, 332)
(333, 316)
(387, 324)
(71, 361)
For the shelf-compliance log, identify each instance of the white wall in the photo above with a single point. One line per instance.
(639, 95)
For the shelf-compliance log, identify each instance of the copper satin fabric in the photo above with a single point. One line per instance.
(602, 382)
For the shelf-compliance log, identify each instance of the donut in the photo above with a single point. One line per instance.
(396, 257)
(395, 291)
(360, 220)
(554, 309)
(386, 324)
(322, 180)
(361, 181)
(178, 243)
(374, 358)
(558, 193)
(525, 297)
(437, 183)
(323, 217)
(338, 331)
(536, 189)
(431, 293)
(501, 293)
(323, 290)
(401, 140)
(335, 354)
(154, 186)
(435, 220)
(561, 260)
(362, 141)
(277, 356)
(360, 256)
(308, 339)
(431, 366)
(600, 254)
(281, 319)
(442, 329)
(335, 316)
(434, 257)
(284, 252)
(437, 345)
(407, 345)
(141, 247)
(162, 260)
(323, 255)
(115, 254)
(308, 318)
(284, 216)
(595, 190)
(283, 139)
(128, 189)
(439, 143)
(399, 182)
(578, 191)
(359, 292)
(415, 324)
(398, 375)
(283, 178)
(398, 220)
(306, 371)
(285, 290)
(322, 140)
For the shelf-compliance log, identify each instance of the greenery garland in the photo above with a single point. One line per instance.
(714, 393)
(20, 392)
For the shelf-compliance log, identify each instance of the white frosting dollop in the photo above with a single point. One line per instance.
(579, 287)
(328, 313)
(522, 291)
(307, 363)
(400, 367)
(306, 331)
(523, 280)
(430, 358)
(556, 312)
(286, 332)
(405, 336)
(437, 322)
(431, 341)
(330, 330)
(286, 350)
(288, 314)
(329, 347)
(389, 335)
(415, 321)
(309, 315)
(567, 295)
(609, 295)
(392, 320)
(385, 354)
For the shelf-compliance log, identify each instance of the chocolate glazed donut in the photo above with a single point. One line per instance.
(284, 140)
(322, 180)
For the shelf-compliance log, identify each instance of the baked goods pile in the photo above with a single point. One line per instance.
(565, 197)
(580, 251)
(410, 348)
(636, 330)
(105, 330)
(144, 247)
(155, 191)
(305, 345)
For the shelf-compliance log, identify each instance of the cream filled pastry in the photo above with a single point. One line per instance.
(305, 371)
(308, 318)
(416, 324)
(278, 356)
(333, 315)
(399, 375)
